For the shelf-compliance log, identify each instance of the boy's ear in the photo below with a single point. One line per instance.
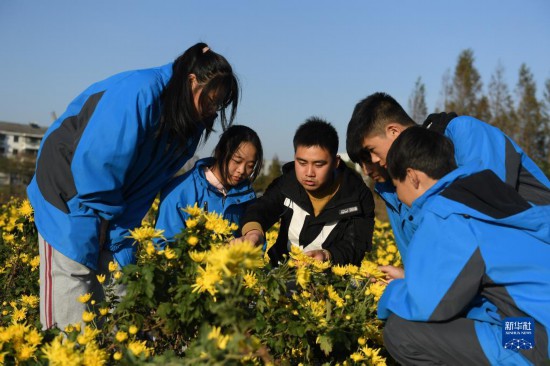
(413, 177)
(393, 130)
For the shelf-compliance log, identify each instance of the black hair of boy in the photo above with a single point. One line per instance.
(230, 141)
(370, 116)
(420, 149)
(317, 132)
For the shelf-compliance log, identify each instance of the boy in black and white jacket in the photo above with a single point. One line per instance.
(324, 206)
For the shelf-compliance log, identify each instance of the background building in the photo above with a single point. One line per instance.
(18, 140)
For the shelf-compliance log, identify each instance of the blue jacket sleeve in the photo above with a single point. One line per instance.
(477, 141)
(442, 273)
(171, 217)
(397, 215)
(108, 147)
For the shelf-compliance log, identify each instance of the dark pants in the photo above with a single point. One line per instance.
(420, 343)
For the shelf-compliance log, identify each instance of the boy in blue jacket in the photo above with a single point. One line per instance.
(379, 119)
(478, 260)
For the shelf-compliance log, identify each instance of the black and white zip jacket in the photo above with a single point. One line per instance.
(344, 227)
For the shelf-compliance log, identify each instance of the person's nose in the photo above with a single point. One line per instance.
(374, 158)
(310, 172)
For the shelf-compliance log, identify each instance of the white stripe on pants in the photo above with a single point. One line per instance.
(62, 280)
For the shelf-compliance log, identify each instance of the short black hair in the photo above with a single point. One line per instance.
(317, 132)
(421, 149)
(229, 144)
(371, 115)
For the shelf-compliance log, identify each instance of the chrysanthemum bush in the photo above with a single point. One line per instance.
(198, 300)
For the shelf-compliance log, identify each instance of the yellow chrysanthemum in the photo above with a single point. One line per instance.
(60, 353)
(333, 295)
(85, 298)
(221, 340)
(391, 248)
(230, 258)
(250, 279)
(376, 289)
(133, 329)
(206, 280)
(150, 249)
(33, 337)
(88, 335)
(191, 223)
(138, 348)
(113, 266)
(338, 270)
(370, 269)
(18, 315)
(117, 356)
(25, 352)
(34, 263)
(103, 311)
(117, 275)
(169, 253)
(146, 233)
(356, 357)
(25, 209)
(88, 316)
(193, 210)
(373, 355)
(351, 269)
(94, 356)
(31, 301)
(303, 276)
(197, 257)
(101, 278)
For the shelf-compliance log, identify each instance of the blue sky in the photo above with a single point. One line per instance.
(294, 58)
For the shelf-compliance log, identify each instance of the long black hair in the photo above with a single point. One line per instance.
(179, 118)
(229, 143)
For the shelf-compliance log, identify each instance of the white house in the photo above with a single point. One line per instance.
(20, 140)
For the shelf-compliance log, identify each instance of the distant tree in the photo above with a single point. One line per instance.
(446, 91)
(264, 180)
(417, 102)
(534, 130)
(546, 117)
(466, 89)
(501, 104)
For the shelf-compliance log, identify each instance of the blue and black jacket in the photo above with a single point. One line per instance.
(103, 161)
(479, 251)
(191, 188)
(479, 143)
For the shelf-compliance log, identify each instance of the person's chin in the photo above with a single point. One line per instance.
(310, 187)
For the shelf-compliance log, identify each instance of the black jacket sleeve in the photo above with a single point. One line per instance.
(354, 238)
(267, 209)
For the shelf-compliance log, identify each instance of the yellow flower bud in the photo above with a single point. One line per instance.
(192, 240)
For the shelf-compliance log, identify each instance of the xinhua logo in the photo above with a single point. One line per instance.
(518, 333)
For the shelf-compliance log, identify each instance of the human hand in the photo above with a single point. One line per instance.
(254, 236)
(319, 254)
(392, 272)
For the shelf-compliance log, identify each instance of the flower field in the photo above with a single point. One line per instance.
(198, 301)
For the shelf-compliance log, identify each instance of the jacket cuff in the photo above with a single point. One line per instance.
(249, 226)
